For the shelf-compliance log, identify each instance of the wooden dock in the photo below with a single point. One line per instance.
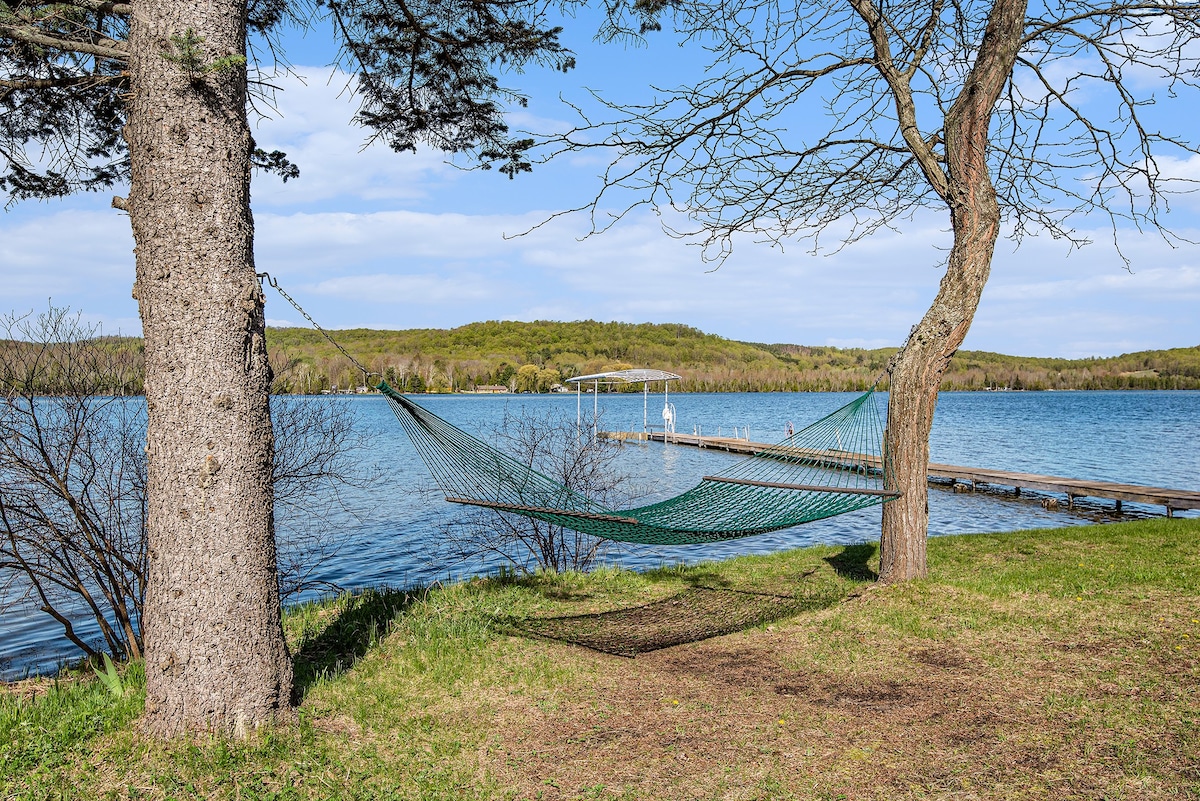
(1173, 499)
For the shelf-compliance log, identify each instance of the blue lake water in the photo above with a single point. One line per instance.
(1150, 438)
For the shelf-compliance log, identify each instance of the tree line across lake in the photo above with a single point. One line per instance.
(492, 354)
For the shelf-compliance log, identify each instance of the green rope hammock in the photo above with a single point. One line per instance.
(831, 467)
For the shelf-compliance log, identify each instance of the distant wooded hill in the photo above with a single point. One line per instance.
(492, 353)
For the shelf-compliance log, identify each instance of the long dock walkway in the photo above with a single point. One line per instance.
(1173, 499)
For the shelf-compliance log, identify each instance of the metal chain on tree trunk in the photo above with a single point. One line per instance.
(366, 373)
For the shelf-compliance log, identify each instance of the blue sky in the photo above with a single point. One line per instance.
(370, 238)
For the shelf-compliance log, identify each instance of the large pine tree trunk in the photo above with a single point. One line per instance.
(918, 370)
(215, 654)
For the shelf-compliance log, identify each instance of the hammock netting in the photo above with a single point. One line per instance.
(828, 468)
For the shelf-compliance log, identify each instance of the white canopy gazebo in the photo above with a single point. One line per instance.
(645, 377)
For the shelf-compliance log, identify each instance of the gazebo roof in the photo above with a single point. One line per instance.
(636, 376)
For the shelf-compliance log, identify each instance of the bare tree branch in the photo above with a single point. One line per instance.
(734, 155)
(899, 82)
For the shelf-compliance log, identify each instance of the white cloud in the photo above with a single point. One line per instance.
(75, 241)
(313, 126)
(1042, 301)
(71, 257)
(319, 242)
(1181, 176)
(1188, 169)
(1179, 283)
(409, 289)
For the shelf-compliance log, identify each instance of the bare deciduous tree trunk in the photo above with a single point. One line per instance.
(215, 653)
(975, 222)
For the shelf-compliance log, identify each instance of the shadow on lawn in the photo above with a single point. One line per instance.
(360, 622)
(852, 562)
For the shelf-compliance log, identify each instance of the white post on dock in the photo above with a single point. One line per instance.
(666, 405)
(645, 406)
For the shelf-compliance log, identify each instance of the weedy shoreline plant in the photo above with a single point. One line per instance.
(109, 677)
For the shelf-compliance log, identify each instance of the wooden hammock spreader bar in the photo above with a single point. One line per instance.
(806, 487)
(512, 507)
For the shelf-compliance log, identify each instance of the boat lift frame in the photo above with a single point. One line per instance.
(643, 376)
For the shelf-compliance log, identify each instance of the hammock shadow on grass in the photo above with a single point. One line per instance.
(710, 607)
(359, 621)
(695, 614)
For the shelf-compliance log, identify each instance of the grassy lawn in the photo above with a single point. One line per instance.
(1044, 664)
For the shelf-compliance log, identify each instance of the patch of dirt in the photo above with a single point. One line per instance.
(1082, 647)
(740, 667)
(940, 657)
(752, 716)
(877, 696)
(338, 723)
(37, 686)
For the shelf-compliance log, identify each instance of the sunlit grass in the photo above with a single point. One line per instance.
(44, 724)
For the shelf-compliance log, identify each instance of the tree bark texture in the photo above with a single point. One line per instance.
(918, 370)
(216, 660)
